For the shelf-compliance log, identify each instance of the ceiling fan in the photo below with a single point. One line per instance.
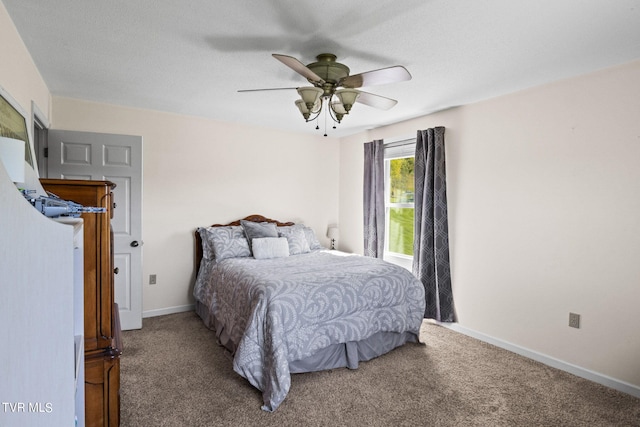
(334, 89)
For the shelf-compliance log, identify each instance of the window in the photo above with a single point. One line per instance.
(399, 207)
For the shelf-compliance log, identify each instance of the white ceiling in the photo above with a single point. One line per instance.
(191, 57)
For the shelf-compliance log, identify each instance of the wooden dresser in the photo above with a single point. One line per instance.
(102, 333)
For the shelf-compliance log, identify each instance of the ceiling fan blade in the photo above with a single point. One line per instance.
(376, 101)
(382, 76)
(261, 90)
(298, 67)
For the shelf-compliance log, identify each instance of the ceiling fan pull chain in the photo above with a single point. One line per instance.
(325, 122)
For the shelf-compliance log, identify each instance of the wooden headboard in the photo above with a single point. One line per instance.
(252, 218)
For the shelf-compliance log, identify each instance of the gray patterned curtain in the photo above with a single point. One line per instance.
(431, 230)
(374, 199)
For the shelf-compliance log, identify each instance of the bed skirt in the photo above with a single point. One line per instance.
(341, 355)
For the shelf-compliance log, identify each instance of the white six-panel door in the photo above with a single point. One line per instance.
(115, 158)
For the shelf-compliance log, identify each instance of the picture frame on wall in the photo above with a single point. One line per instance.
(13, 124)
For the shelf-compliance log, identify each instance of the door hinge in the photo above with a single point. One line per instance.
(46, 152)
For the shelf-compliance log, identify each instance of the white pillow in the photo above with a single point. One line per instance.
(270, 247)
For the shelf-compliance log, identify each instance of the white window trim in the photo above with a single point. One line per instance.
(396, 150)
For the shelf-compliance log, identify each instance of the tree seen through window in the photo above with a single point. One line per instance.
(400, 205)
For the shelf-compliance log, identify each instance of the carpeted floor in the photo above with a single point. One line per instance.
(174, 374)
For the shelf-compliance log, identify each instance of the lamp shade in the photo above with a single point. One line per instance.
(338, 108)
(310, 95)
(347, 97)
(302, 106)
(317, 106)
(12, 157)
(333, 233)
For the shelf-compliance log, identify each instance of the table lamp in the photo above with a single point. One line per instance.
(333, 233)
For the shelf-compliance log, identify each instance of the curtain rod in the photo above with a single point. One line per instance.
(401, 142)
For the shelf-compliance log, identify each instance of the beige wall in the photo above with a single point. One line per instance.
(544, 199)
(198, 172)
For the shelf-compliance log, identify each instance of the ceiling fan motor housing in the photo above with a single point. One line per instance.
(328, 70)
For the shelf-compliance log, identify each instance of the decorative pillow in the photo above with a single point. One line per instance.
(308, 232)
(288, 228)
(207, 244)
(311, 237)
(297, 240)
(225, 242)
(256, 230)
(270, 247)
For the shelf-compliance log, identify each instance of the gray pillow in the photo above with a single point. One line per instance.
(312, 239)
(207, 243)
(224, 242)
(256, 230)
(297, 240)
(270, 247)
(308, 232)
(287, 228)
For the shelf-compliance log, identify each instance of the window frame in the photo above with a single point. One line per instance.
(396, 150)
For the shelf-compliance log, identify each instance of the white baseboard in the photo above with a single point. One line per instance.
(596, 377)
(168, 310)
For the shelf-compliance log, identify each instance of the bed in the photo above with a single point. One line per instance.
(283, 304)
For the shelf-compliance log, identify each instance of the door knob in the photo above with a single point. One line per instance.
(135, 244)
(116, 270)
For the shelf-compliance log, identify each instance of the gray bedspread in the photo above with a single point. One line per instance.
(277, 311)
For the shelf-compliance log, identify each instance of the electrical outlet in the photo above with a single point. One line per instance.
(152, 279)
(574, 320)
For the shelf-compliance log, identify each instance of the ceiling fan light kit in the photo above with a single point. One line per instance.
(327, 75)
(313, 99)
(306, 112)
(347, 97)
(310, 95)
